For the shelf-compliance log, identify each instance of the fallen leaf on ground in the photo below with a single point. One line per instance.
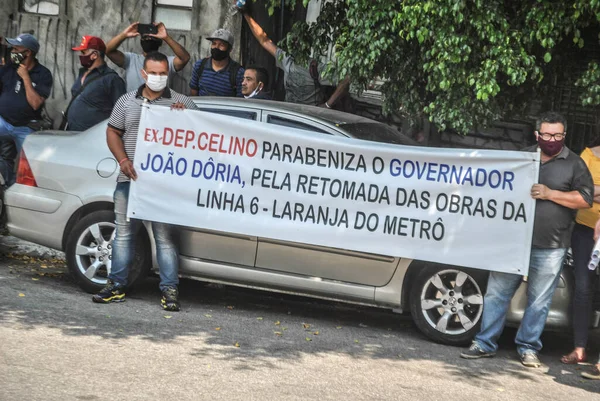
(277, 323)
(168, 316)
(209, 316)
(259, 318)
(217, 328)
(230, 307)
(338, 327)
(21, 294)
(43, 266)
(278, 333)
(308, 339)
(237, 344)
(316, 333)
(306, 325)
(284, 328)
(356, 341)
(35, 279)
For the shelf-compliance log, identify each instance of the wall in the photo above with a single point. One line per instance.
(106, 18)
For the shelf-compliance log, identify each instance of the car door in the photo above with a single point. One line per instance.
(221, 246)
(318, 261)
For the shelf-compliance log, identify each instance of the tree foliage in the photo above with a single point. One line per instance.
(460, 63)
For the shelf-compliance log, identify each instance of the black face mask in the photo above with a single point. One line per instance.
(17, 58)
(218, 54)
(150, 44)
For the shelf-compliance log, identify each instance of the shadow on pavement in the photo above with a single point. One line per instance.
(256, 329)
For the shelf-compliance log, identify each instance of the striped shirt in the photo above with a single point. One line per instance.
(215, 83)
(126, 114)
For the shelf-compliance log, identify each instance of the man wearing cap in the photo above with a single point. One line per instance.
(218, 75)
(96, 89)
(25, 85)
(132, 63)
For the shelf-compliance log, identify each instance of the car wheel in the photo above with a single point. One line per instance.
(447, 303)
(89, 252)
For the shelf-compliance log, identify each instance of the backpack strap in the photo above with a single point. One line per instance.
(201, 67)
(234, 68)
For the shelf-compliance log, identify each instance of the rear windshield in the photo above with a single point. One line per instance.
(377, 132)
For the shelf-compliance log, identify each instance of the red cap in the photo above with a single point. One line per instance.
(91, 42)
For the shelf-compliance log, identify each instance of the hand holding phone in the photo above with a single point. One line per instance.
(145, 29)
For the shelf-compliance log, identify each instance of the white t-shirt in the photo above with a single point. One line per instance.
(133, 65)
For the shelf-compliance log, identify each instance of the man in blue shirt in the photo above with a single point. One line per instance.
(24, 86)
(96, 89)
(218, 75)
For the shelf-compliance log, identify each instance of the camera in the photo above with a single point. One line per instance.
(145, 29)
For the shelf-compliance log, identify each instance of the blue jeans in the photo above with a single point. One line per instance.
(124, 244)
(8, 133)
(545, 266)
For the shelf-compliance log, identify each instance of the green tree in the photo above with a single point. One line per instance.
(460, 63)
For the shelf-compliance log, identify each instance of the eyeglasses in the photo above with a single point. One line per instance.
(547, 136)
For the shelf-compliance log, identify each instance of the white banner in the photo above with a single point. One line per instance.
(454, 206)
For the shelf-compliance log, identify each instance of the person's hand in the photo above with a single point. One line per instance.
(131, 30)
(241, 9)
(128, 170)
(178, 106)
(23, 72)
(540, 191)
(162, 31)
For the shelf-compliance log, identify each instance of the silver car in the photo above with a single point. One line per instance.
(63, 200)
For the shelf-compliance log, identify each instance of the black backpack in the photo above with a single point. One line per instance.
(234, 67)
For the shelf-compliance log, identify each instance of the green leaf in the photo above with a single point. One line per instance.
(547, 57)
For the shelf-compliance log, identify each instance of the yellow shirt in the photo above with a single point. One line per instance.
(588, 217)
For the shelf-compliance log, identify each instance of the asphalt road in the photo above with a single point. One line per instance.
(238, 344)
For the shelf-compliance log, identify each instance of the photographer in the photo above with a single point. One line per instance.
(151, 38)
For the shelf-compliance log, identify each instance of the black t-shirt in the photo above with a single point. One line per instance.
(553, 223)
(14, 107)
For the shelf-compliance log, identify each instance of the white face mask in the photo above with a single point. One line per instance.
(254, 92)
(156, 83)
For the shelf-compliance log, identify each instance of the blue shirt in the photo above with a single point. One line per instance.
(14, 107)
(215, 83)
(96, 101)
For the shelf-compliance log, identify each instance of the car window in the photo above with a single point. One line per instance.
(248, 115)
(377, 132)
(286, 122)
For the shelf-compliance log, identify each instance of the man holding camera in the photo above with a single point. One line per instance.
(151, 38)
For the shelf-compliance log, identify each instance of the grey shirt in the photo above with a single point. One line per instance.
(553, 223)
(133, 64)
(299, 86)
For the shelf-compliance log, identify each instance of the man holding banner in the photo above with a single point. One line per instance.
(565, 185)
(121, 136)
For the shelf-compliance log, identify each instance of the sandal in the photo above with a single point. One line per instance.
(573, 359)
(594, 374)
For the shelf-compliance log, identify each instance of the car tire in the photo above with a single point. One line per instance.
(89, 252)
(446, 303)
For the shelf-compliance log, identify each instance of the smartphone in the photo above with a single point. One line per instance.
(145, 29)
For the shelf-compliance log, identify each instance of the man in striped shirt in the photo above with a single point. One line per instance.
(218, 75)
(121, 136)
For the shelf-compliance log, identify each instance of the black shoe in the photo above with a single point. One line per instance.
(475, 352)
(169, 300)
(530, 359)
(112, 292)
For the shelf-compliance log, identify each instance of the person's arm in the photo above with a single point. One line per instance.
(182, 57)
(597, 230)
(597, 193)
(340, 90)
(114, 139)
(116, 56)
(33, 98)
(260, 35)
(117, 88)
